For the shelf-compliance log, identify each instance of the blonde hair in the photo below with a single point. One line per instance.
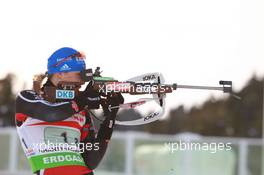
(38, 81)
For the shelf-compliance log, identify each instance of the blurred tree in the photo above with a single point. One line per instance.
(223, 117)
(247, 113)
(7, 101)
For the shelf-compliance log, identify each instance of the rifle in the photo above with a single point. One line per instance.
(150, 83)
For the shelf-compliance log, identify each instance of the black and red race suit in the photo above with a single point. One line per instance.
(57, 138)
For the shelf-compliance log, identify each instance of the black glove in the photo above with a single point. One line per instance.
(112, 100)
(89, 97)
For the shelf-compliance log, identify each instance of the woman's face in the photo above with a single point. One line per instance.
(74, 77)
(70, 77)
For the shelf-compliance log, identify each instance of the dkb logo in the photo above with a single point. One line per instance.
(64, 94)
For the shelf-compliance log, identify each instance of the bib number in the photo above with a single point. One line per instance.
(61, 135)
